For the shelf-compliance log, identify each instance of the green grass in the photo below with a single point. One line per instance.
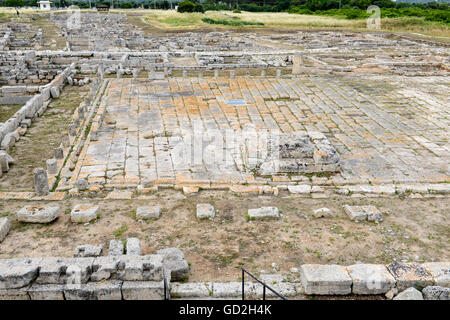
(234, 22)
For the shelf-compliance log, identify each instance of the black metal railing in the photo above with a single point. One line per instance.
(166, 290)
(260, 282)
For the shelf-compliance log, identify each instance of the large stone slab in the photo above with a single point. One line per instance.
(370, 278)
(205, 211)
(104, 290)
(18, 272)
(46, 292)
(143, 290)
(57, 270)
(38, 214)
(148, 212)
(264, 213)
(133, 246)
(83, 213)
(191, 290)
(325, 279)
(410, 275)
(232, 289)
(87, 250)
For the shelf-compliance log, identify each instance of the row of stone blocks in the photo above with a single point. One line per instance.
(372, 278)
(106, 277)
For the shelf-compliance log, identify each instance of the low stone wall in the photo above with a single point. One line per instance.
(34, 107)
(128, 277)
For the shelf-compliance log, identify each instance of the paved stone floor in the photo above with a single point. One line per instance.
(385, 128)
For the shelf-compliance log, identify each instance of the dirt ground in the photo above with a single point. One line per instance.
(412, 230)
(39, 142)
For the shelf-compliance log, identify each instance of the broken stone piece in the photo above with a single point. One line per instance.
(38, 214)
(83, 213)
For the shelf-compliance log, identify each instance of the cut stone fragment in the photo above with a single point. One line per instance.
(175, 263)
(370, 278)
(104, 268)
(14, 294)
(264, 213)
(5, 225)
(38, 214)
(133, 246)
(409, 294)
(436, 293)
(88, 250)
(104, 290)
(52, 166)
(18, 272)
(325, 279)
(232, 289)
(205, 211)
(148, 212)
(355, 213)
(141, 268)
(143, 290)
(373, 214)
(410, 275)
(115, 248)
(440, 272)
(83, 213)
(58, 270)
(323, 213)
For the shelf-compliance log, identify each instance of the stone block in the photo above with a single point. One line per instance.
(370, 278)
(300, 189)
(231, 289)
(46, 292)
(5, 225)
(148, 212)
(88, 250)
(436, 293)
(410, 275)
(141, 268)
(205, 211)
(116, 248)
(83, 213)
(440, 272)
(54, 270)
(191, 290)
(409, 294)
(264, 213)
(104, 268)
(14, 294)
(133, 246)
(41, 182)
(175, 263)
(104, 290)
(143, 290)
(325, 279)
(38, 214)
(52, 166)
(363, 213)
(18, 272)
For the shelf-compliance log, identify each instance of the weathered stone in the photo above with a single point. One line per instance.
(46, 292)
(143, 290)
(301, 189)
(440, 272)
(4, 165)
(54, 91)
(191, 290)
(363, 213)
(325, 279)
(59, 153)
(19, 272)
(116, 248)
(323, 213)
(409, 294)
(88, 250)
(370, 278)
(14, 294)
(104, 268)
(82, 184)
(410, 275)
(133, 246)
(141, 268)
(148, 212)
(5, 225)
(41, 182)
(436, 293)
(264, 213)
(175, 263)
(52, 166)
(104, 290)
(231, 289)
(83, 213)
(205, 211)
(38, 214)
(56, 270)
(9, 159)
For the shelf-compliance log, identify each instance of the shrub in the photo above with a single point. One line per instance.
(186, 6)
(236, 11)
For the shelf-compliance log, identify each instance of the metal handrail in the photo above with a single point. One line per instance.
(259, 281)
(166, 291)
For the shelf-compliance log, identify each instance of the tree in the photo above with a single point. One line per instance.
(14, 3)
(186, 6)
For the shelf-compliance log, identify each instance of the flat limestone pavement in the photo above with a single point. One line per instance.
(325, 279)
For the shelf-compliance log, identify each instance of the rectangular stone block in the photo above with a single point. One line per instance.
(370, 278)
(191, 290)
(410, 275)
(440, 272)
(325, 279)
(14, 294)
(64, 270)
(141, 268)
(143, 290)
(18, 272)
(104, 290)
(46, 292)
(5, 225)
